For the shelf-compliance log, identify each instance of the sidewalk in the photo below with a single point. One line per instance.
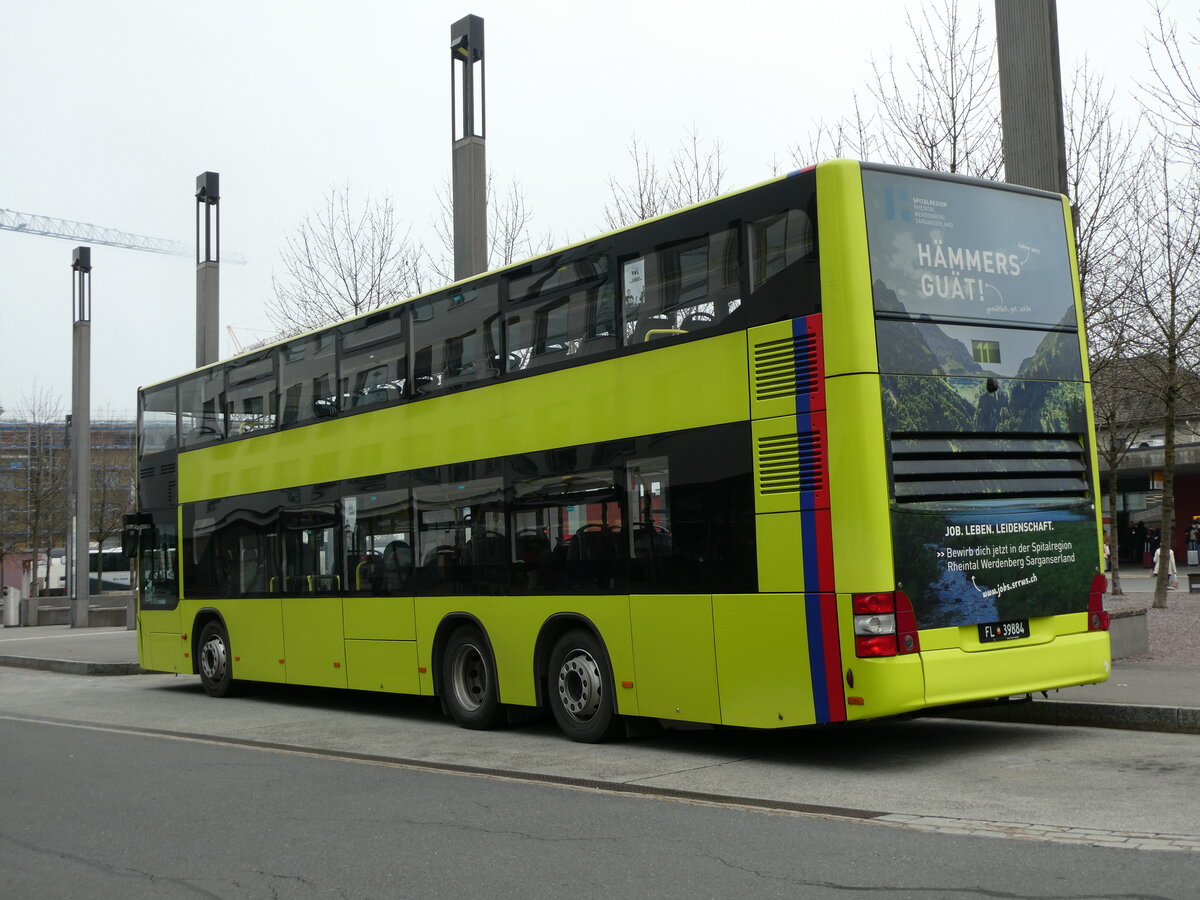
(1137, 697)
(1159, 691)
(75, 651)
(1145, 693)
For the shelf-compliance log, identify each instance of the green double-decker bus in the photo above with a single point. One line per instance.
(816, 451)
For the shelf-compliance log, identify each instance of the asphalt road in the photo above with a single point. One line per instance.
(880, 806)
(96, 813)
(1054, 777)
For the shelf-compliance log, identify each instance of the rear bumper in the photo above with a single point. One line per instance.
(957, 676)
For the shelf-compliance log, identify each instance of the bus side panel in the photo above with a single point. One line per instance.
(795, 558)
(490, 421)
(255, 627)
(161, 647)
(846, 299)
(792, 503)
(675, 656)
(763, 660)
(512, 626)
(389, 666)
(313, 641)
(858, 486)
(777, 541)
(379, 618)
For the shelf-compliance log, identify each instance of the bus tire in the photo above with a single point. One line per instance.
(580, 688)
(469, 687)
(215, 661)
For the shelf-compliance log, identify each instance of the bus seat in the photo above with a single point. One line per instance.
(397, 566)
(697, 322)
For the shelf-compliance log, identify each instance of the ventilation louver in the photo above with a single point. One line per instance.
(932, 468)
(790, 462)
(785, 368)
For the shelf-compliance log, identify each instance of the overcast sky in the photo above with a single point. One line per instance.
(109, 110)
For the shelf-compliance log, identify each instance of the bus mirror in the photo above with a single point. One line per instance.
(129, 541)
(131, 529)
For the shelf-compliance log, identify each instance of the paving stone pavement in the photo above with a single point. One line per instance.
(1128, 840)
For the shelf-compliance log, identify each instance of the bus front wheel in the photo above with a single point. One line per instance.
(581, 689)
(216, 666)
(469, 686)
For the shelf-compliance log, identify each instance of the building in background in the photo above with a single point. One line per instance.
(33, 495)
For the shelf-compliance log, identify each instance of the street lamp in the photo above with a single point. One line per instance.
(79, 507)
(468, 161)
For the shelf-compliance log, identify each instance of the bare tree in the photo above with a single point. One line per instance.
(1121, 407)
(1166, 290)
(643, 198)
(510, 229)
(1102, 184)
(1101, 181)
(341, 261)
(44, 516)
(1171, 99)
(695, 172)
(7, 517)
(111, 486)
(850, 137)
(938, 110)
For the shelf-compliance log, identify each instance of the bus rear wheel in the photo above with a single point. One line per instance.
(469, 687)
(581, 689)
(215, 661)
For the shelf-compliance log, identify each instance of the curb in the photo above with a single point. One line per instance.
(1170, 719)
(73, 666)
(1166, 719)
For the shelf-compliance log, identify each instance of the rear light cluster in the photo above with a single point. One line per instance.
(1097, 618)
(884, 625)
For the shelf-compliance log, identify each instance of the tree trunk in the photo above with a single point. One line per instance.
(1167, 542)
(1114, 545)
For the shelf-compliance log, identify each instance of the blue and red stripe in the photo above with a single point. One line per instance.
(820, 601)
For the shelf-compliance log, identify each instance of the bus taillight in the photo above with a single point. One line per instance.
(884, 625)
(906, 624)
(1098, 619)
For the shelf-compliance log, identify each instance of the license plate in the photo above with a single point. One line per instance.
(1003, 631)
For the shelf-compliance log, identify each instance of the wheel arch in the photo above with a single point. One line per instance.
(203, 617)
(552, 629)
(448, 624)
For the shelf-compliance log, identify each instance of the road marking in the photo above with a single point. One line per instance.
(1095, 837)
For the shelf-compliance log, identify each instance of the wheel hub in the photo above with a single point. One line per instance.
(469, 675)
(214, 659)
(579, 686)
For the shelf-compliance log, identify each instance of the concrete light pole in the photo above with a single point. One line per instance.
(1031, 105)
(468, 162)
(79, 506)
(208, 268)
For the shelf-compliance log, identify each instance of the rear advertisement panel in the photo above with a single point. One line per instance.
(984, 403)
(966, 567)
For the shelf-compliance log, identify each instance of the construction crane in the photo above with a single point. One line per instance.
(239, 347)
(26, 223)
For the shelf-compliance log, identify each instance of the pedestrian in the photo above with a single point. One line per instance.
(1172, 578)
